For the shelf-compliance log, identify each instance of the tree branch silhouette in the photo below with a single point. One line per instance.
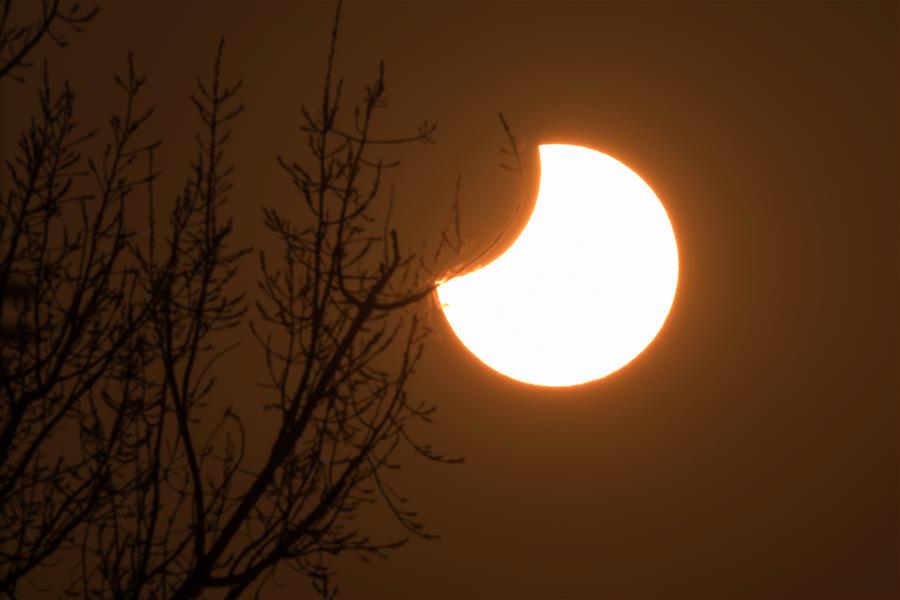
(64, 272)
(117, 452)
(18, 39)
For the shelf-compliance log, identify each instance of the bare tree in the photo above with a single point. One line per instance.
(126, 331)
(65, 246)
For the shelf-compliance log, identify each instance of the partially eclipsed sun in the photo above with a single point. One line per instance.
(585, 287)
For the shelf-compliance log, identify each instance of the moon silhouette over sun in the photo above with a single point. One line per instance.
(585, 287)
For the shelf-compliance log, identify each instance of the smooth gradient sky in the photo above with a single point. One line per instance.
(751, 451)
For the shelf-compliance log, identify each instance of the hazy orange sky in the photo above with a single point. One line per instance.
(751, 451)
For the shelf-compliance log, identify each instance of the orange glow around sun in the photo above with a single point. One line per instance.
(586, 286)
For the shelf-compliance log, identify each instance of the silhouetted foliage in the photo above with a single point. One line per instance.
(107, 459)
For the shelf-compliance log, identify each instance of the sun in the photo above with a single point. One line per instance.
(586, 286)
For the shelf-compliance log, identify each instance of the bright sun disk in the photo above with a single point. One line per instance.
(585, 287)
